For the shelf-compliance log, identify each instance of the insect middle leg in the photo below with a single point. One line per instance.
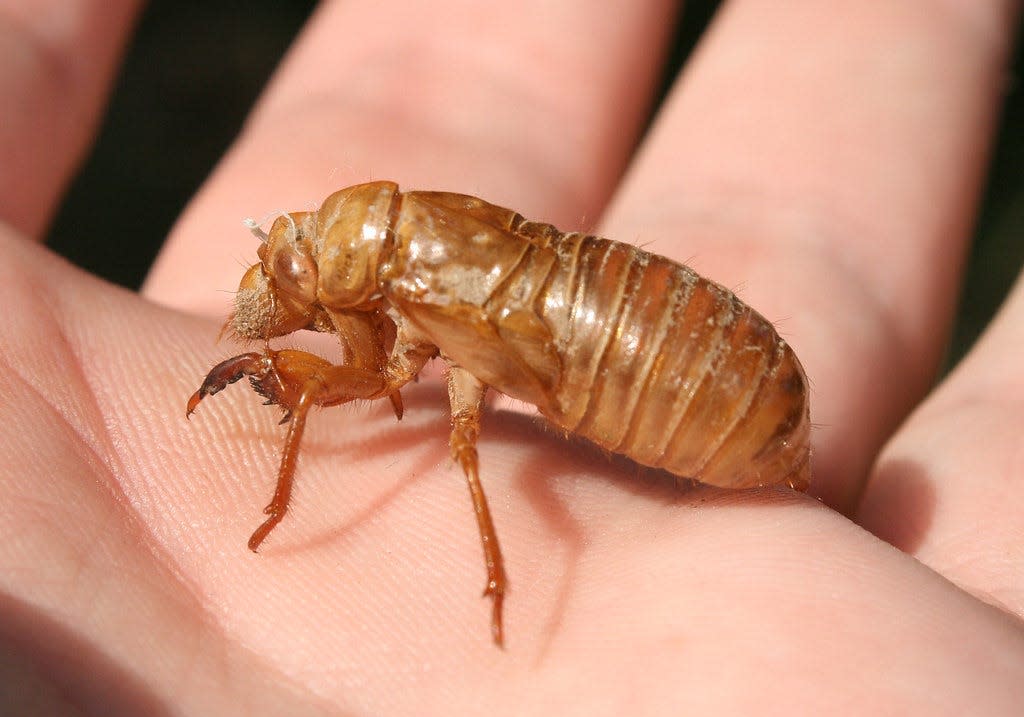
(363, 336)
(466, 394)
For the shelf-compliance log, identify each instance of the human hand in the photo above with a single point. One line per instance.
(852, 164)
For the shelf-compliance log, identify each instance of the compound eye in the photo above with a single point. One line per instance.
(288, 258)
(294, 272)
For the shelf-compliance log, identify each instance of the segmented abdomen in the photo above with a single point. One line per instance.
(669, 368)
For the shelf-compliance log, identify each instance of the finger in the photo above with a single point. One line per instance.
(826, 158)
(949, 488)
(533, 105)
(56, 63)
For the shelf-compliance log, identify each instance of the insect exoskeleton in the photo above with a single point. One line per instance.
(631, 350)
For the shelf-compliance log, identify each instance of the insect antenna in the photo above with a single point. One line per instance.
(254, 227)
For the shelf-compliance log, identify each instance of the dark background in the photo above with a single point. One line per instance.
(193, 70)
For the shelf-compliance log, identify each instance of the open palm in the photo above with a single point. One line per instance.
(838, 195)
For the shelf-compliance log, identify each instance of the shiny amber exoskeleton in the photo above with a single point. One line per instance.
(633, 351)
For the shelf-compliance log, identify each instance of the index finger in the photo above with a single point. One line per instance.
(534, 106)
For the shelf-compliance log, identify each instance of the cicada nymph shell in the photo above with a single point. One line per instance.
(628, 349)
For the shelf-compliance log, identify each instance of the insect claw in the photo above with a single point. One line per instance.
(261, 532)
(224, 374)
(396, 404)
(192, 404)
(287, 416)
(498, 596)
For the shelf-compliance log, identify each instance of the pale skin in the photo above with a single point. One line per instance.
(824, 157)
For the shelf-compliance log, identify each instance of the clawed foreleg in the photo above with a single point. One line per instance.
(296, 381)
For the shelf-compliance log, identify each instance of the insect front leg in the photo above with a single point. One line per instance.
(466, 394)
(296, 381)
(301, 380)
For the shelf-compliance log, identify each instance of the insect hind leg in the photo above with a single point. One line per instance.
(466, 394)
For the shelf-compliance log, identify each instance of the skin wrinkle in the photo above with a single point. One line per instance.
(110, 456)
(104, 452)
